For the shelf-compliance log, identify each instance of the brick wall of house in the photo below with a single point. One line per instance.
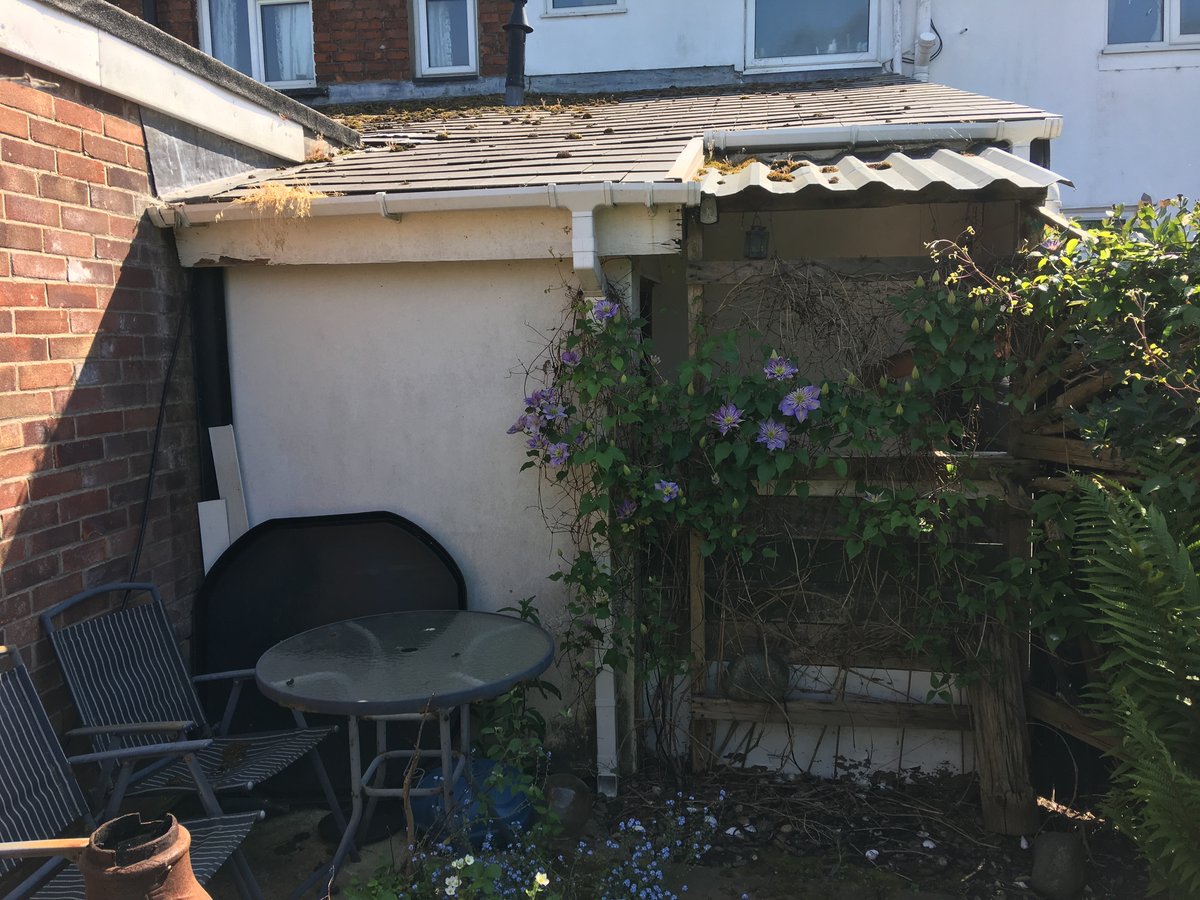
(356, 40)
(91, 296)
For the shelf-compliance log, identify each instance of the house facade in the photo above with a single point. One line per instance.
(1094, 63)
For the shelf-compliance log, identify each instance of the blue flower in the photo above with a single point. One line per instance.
(667, 491)
(626, 510)
(603, 310)
(727, 418)
(779, 369)
(801, 402)
(558, 454)
(774, 435)
(570, 357)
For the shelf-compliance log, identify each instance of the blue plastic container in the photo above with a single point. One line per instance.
(504, 804)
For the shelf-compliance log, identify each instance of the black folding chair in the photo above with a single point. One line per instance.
(40, 800)
(123, 667)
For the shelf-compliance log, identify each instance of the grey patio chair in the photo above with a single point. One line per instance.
(123, 667)
(40, 800)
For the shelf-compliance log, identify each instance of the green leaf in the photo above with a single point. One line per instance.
(721, 451)
(840, 466)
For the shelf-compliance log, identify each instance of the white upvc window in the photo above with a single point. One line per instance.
(269, 40)
(446, 37)
(1153, 24)
(583, 7)
(811, 34)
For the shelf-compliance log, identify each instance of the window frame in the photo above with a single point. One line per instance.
(607, 9)
(254, 15)
(856, 60)
(421, 36)
(1173, 38)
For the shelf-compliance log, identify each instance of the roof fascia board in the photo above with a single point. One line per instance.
(57, 41)
(1019, 133)
(573, 197)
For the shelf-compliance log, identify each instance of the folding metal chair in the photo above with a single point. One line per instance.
(40, 800)
(123, 667)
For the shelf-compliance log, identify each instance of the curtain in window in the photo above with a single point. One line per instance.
(446, 27)
(287, 42)
(229, 33)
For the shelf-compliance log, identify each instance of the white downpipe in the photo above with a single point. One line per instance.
(897, 37)
(1018, 133)
(925, 41)
(608, 753)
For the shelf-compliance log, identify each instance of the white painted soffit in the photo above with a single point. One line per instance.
(896, 172)
(54, 40)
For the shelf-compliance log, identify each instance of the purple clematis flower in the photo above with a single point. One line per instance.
(570, 357)
(727, 418)
(537, 442)
(667, 490)
(529, 423)
(779, 369)
(603, 310)
(558, 454)
(555, 413)
(801, 402)
(626, 510)
(774, 435)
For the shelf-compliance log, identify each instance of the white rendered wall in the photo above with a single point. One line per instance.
(1131, 125)
(391, 387)
(1130, 120)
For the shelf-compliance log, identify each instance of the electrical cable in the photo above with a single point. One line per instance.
(158, 430)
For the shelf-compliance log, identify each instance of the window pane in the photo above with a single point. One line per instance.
(572, 4)
(1135, 21)
(229, 33)
(287, 42)
(1189, 16)
(446, 27)
(785, 28)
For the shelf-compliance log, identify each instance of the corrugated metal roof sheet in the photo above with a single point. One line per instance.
(622, 140)
(894, 172)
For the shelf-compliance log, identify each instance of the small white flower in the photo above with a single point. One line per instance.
(468, 860)
(452, 883)
(458, 863)
(542, 879)
(872, 855)
(929, 845)
(1024, 842)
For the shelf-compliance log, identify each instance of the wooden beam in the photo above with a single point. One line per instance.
(861, 713)
(1067, 451)
(736, 270)
(1067, 719)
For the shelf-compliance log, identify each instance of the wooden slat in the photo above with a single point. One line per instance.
(860, 713)
(735, 270)
(1067, 719)
(1068, 451)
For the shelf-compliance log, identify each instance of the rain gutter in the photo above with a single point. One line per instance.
(583, 201)
(1019, 135)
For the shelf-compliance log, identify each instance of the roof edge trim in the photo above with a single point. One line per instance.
(1019, 133)
(572, 197)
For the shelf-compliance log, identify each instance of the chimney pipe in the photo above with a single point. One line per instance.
(517, 27)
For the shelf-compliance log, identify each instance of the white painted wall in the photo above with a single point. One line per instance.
(391, 387)
(1130, 120)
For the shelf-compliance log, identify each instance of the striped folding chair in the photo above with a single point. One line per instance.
(40, 800)
(123, 668)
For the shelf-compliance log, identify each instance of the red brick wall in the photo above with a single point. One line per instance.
(357, 40)
(90, 298)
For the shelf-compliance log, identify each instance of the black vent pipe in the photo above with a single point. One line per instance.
(517, 27)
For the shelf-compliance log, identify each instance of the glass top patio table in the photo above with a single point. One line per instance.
(403, 662)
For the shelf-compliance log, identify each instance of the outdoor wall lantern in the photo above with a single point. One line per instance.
(758, 241)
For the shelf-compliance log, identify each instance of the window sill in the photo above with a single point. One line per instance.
(809, 64)
(1120, 57)
(582, 11)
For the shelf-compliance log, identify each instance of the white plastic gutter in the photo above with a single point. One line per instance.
(583, 201)
(1019, 134)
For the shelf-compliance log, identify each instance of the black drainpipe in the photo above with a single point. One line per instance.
(150, 11)
(210, 352)
(518, 27)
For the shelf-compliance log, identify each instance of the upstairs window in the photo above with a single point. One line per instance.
(269, 40)
(811, 33)
(1153, 24)
(446, 37)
